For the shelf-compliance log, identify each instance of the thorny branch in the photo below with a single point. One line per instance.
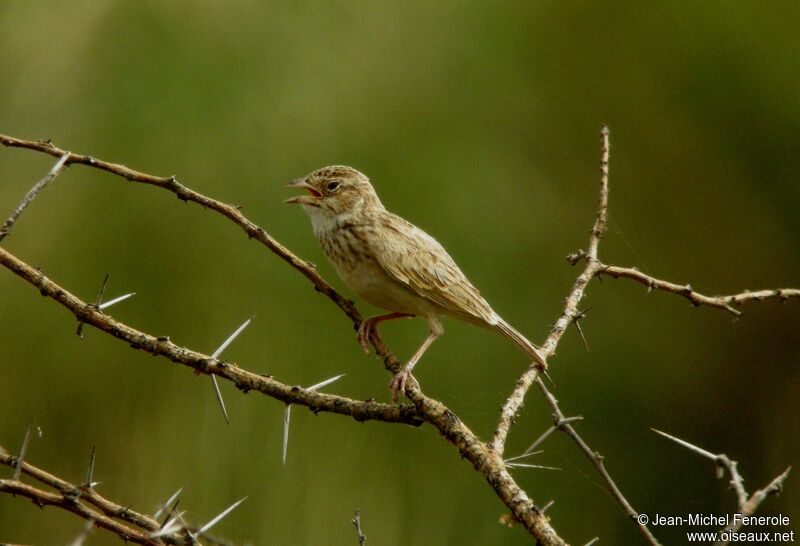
(243, 379)
(569, 315)
(564, 423)
(128, 524)
(487, 459)
(697, 299)
(517, 398)
(746, 504)
(86, 503)
(483, 459)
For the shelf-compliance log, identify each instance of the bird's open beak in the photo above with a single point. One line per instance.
(312, 199)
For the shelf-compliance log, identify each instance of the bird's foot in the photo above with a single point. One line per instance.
(364, 331)
(398, 382)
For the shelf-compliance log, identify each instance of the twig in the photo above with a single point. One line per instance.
(244, 380)
(597, 461)
(747, 504)
(356, 521)
(749, 508)
(517, 397)
(171, 184)
(557, 424)
(698, 299)
(70, 492)
(34, 191)
(569, 315)
(46, 498)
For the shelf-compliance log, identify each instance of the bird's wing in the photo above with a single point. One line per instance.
(417, 260)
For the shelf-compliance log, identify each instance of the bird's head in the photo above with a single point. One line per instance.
(334, 192)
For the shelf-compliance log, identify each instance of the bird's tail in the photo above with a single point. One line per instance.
(508, 331)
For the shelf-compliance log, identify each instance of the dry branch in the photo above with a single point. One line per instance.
(484, 459)
(243, 379)
(698, 299)
(517, 398)
(83, 501)
(746, 504)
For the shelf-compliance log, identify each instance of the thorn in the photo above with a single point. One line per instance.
(81, 538)
(687, 445)
(287, 415)
(22, 452)
(219, 518)
(547, 506)
(221, 401)
(216, 354)
(524, 465)
(576, 321)
(90, 474)
(169, 527)
(115, 301)
(325, 383)
(170, 500)
(232, 337)
(102, 291)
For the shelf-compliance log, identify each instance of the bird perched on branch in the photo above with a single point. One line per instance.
(392, 264)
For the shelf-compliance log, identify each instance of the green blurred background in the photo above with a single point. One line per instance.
(479, 121)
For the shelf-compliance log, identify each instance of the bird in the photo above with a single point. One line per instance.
(393, 264)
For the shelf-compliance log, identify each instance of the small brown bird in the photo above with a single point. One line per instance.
(391, 263)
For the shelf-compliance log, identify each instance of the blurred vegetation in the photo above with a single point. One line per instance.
(479, 121)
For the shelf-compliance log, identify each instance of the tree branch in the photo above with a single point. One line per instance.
(514, 403)
(487, 459)
(171, 184)
(69, 491)
(698, 299)
(243, 379)
(46, 498)
(484, 460)
(565, 424)
(746, 504)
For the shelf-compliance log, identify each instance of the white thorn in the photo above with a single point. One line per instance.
(217, 519)
(231, 338)
(115, 300)
(325, 383)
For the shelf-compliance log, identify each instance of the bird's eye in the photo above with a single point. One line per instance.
(333, 185)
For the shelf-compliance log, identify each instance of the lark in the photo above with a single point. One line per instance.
(392, 264)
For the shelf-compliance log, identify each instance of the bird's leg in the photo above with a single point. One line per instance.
(368, 325)
(398, 382)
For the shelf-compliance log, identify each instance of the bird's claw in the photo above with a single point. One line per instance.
(398, 382)
(364, 331)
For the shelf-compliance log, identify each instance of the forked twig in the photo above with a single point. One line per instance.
(746, 504)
